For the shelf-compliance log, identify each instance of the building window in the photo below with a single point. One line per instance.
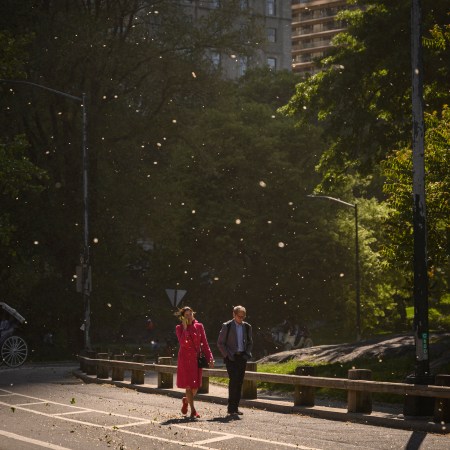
(271, 34)
(244, 4)
(272, 63)
(271, 7)
(243, 63)
(215, 3)
(306, 14)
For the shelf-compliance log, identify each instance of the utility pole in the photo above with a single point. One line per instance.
(421, 333)
(419, 406)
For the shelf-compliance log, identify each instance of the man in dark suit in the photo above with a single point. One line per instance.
(235, 343)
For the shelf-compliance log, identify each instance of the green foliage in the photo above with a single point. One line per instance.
(196, 182)
(141, 66)
(17, 173)
(177, 157)
(239, 175)
(362, 96)
(21, 182)
(410, 312)
(398, 172)
(361, 100)
(391, 370)
(13, 54)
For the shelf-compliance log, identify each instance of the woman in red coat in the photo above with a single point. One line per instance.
(192, 338)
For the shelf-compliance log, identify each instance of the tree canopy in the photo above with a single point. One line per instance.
(397, 169)
(201, 183)
(362, 95)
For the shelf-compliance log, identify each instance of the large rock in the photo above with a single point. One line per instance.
(375, 348)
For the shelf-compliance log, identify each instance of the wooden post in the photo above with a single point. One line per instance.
(304, 395)
(91, 368)
(165, 380)
(359, 401)
(204, 388)
(442, 405)
(102, 370)
(249, 390)
(118, 373)
(137, 375)
(82, 361)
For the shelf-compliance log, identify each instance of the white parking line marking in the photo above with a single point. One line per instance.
(111, 427)
(32, 441)
(133, 424)
(71, 412)
(139, 421)
(252, 438)
(216, 439)
(28, 404)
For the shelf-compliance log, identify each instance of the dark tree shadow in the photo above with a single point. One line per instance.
(225, 419)
(187, 419)
(178, 420)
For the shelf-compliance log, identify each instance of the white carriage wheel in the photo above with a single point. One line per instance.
(14, 351)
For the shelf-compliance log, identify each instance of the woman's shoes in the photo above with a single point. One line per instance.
(184, 408)
(195, 415)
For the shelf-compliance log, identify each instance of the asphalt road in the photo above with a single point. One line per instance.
(47, 407)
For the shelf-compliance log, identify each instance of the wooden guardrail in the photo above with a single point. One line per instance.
(359, 386)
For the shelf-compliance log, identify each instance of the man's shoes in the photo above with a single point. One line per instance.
(235, 413)
(238, 412)
(184, 408)
(195, 415)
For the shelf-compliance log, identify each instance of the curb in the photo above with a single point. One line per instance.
(381, 419)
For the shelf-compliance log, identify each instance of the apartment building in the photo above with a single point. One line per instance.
(313, 26)
(274, 16)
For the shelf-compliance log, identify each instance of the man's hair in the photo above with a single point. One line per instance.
(238, 308)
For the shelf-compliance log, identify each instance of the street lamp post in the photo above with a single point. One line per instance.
(357, 271)
(85, 257)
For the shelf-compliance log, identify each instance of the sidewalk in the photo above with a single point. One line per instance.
(384, 415)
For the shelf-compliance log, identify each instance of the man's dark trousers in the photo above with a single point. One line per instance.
(236, 372)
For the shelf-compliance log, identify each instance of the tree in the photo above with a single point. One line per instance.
(234, 221)
(21, 184)
(398, 172)
(361, 98)
(141, 64)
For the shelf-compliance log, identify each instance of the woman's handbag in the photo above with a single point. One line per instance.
(202, 362)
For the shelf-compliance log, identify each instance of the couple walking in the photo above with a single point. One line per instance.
(234, 343)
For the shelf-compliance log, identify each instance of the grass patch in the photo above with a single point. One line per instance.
(389, 370)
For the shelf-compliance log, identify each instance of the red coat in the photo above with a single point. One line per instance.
(191, 340)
